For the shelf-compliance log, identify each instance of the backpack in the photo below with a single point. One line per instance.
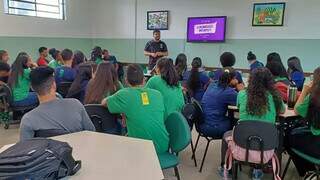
(38, 158)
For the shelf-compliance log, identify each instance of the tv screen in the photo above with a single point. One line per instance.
(206, 29)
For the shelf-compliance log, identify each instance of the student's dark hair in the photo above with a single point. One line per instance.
(104, 82)
(275, 57)
(181, 64)
(17, 68)
(2, 53)
(42, 79)
(294, 65)
(134, 75)
(96, 53)
(41, 49)
(261, 85)
(4, 66)
(66, 54)
(313, 115)
(228, 74)
(194, 79)
(84, 74)
(168, 72)
(276, 68)
(156, 31)
(251, 56)
(78, 58)
(54, 53)
(227, 59)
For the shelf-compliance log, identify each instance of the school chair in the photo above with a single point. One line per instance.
(198, 121)
(63, 88)
(103, 120)
(254, 144)
(179, 139)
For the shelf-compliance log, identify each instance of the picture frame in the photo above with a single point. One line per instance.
(157, 20)
(268, 14)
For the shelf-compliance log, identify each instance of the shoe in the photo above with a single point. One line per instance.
(224, 173)
(257, 174)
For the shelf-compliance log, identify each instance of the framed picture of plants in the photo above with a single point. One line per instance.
(158, 20)
(268, 14)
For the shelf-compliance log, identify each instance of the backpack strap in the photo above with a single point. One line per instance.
(275, 167)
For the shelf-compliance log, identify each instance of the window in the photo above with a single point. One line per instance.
(39, 8)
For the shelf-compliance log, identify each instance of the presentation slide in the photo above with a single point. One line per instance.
(206, 29)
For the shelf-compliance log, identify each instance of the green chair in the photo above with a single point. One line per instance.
(180, 137)
(313, 160)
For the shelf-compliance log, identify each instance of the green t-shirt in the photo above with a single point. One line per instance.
(270, 116)
(99, 61)
(302, 110)
(172, 96)
(144, 110)
(278, 78)
(22, 87)
(54, 64)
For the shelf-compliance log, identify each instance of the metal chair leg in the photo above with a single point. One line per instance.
(286, 168)
(176, 171)
(195, 147)
(205, 154)
(193, 154)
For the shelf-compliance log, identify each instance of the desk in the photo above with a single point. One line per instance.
(106, 156)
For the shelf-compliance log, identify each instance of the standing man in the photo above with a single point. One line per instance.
(155, 49)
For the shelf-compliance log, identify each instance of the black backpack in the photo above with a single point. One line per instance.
(38, 158)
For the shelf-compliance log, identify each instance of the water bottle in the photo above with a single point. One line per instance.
(292, 95)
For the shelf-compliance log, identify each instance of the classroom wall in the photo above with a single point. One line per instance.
(122, 29)
(22, 33)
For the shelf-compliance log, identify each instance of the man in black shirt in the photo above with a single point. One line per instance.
(155, 49)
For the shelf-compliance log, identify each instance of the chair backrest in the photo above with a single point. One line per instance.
(102, 119)
(5, 93)
(63, 88)
(199, 111)
(189, 112)
(50, 133)
(256, 135)
(179, 132)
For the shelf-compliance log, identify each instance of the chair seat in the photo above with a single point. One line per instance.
(168, 160)
(307, 157)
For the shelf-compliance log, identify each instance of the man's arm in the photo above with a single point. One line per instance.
(26, 131)
(162, 54)
(146, 53)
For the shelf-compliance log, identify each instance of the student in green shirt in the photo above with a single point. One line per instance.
(143, 109)
(96, 55)
(103, 84)
(57, 60)
(19, 81)
(307, 139)
(167, 82)
(259, 102)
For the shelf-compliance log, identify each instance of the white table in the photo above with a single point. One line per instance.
(113, 157)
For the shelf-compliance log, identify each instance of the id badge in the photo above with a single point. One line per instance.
(145, 98)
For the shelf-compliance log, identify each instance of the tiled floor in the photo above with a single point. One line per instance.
(187, 169)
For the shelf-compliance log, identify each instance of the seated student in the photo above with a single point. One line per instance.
(215, 103)
(108, 57)
(227, 59)
(181, 65)
(196, 81)
(4, 56)
(4, 72)
(275, 57)
(143, 109)
(259, 102)
(103, 84)
(282, 83)
(57, 58)
(79, 85)
(167, 82)
(43, 52)
(19, 81)
(295, 72)
(307, 140)
(96, 55)
(68, 115)
(78, 58)
(254, 63)
(65, 73)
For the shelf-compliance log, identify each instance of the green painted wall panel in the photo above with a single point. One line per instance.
(130, 50)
